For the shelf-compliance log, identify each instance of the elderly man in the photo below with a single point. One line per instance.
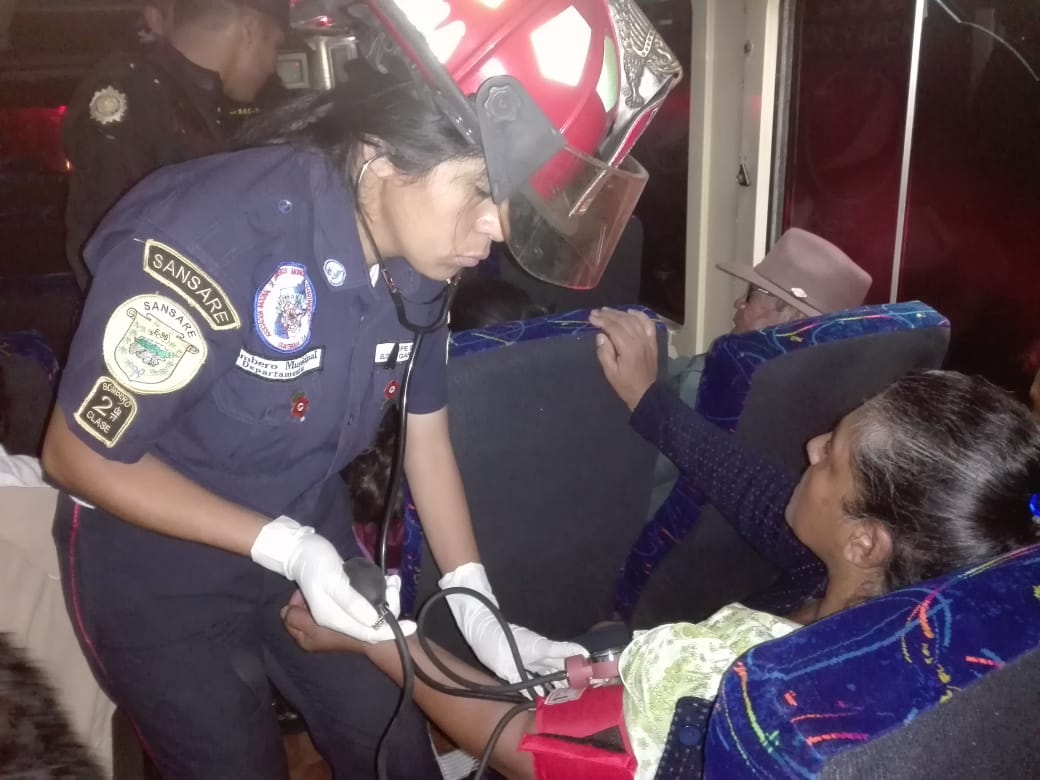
(803, 275)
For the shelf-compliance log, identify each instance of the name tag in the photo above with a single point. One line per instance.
(384, 351)
(281, 370)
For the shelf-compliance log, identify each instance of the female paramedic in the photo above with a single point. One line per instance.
(251, 316)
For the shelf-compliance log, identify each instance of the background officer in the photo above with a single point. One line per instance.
(161, 103)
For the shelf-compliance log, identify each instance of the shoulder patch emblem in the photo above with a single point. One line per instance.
(196, 286)
(152, 345)
(106, 412)
(108, 106)
(284, 307)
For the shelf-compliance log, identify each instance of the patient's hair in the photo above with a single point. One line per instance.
(35, 737)
(368, 475)
(484, 301)
(949, 464)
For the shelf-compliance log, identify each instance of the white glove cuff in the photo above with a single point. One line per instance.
(470, 575)
(276, 542)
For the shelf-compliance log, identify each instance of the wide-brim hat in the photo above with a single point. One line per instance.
(806, 272)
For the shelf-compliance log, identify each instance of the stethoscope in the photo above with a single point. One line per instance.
(447, 295)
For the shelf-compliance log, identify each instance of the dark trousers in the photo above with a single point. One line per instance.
(190, 656)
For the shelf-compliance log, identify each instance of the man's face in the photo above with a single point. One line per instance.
(758, 309)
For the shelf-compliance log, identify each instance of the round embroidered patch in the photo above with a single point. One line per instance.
(152, 345)
(108, 106)
(335, 272)
(284, 307)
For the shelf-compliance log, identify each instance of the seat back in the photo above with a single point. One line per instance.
(777, 388)
(29, 370)
(557, 482)
(902, 686)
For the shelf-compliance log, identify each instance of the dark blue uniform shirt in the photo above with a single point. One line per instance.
(234, 332)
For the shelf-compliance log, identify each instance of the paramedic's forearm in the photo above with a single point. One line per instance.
(436, 485)
(147, 493)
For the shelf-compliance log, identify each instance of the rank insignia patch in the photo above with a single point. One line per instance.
(152, 345)
(284, 308)
(106, 412)
(196, 286)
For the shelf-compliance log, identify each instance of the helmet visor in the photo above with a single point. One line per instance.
(563, 226)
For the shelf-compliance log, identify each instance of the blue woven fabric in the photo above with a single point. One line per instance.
(787, 706)
(30, 344)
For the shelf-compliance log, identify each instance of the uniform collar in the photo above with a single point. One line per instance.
(336, 234)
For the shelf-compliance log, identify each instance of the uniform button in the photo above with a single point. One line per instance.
(285, 206)
(350, 420)
(690, 736)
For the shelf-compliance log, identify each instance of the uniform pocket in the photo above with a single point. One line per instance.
(258, 401)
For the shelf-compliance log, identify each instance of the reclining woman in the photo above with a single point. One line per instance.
(933, 474)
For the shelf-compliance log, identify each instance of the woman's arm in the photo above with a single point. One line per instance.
(147, 493)
(436, 485)
(748, 490)
(467, 722)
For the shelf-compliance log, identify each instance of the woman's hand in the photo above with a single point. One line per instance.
(314, 638)
(627, 351)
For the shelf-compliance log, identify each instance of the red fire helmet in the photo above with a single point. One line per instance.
(557, 92)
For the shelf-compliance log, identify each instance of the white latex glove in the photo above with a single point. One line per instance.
(309, 559)
(486, 637)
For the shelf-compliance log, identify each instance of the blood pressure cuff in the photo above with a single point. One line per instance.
(583, 738)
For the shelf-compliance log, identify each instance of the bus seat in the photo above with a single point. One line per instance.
(941, 679)
(29, 370)
(776, 388)
(558, 483)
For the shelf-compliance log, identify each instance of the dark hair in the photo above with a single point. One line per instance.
(392, 113)
(368, 475)
(479, 302)
(482, 301)
(948, 463)
(5, 405)
(38, 740)
(212, 13)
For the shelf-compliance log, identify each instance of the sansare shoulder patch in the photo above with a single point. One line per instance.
(106, 412)
(153, 345)
(193, 284)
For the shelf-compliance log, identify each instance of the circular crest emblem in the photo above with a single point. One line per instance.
(284, 308)
(108, 106)
(152, 345)
(335, 272)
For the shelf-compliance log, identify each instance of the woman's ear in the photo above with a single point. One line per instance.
(376, 160)
(868, 545)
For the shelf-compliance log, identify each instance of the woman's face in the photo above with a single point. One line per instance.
(816, 511)
(441, 223)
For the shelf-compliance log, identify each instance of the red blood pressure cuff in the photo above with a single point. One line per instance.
(583, 739)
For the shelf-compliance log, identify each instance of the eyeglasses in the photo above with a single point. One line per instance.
(752, 289)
